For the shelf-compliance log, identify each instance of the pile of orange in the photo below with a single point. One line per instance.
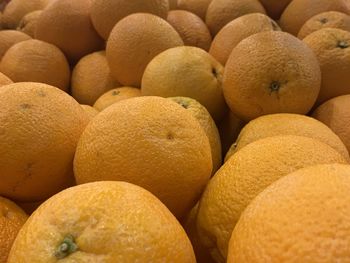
(183, 131)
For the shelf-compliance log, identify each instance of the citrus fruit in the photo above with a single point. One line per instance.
(10, 37)
(271, 72)
(237, 30)
(332, 48)
(40, 128)
(29, 22)
(335, 114)
(149, 35)
(149, 141)
(90, 111)
(280, 222)
(116, 95)
(245, 175)
(4, 80)
(275, 8)
(191, 28)
(36, 61)
(198, 7)
(12, 218)
(105, 14)
(188, 72)
(287, 124)
(102, 222)
(91, 77)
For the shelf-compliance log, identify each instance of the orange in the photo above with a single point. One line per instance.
(189, 224)
(91, 77)
(187, 72)
(11, 220)
(172, 4)
(229, 129)
(332, 48)
(4, 80)
(245, 175)
(10, 37)
(102, 222)
(237, 30)
(330, 19)
(275, 8)
(105, 14)
(90, 111)
(67, 25)
(15, 10)
(149, 35)
(287, 124)
(304, 217)
(116, 95)
(36, 61)
(149, 141)
(29, 22)
(299, 11)
(198, 7)
(271, 72)
(335, 114)
(208, 125)
(221, 12)
(40, 128)
(192, 29)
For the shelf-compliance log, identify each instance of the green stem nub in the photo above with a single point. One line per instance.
(343, 44)
(67, 247)
(275, 86)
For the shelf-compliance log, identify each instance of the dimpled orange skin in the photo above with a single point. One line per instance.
(274, 8)
(67, 25)
(198, 7)
(91, 77)
(29, 22)
(237, 30)
(221, 12)
(271, 72)
(335, 113)
(134, 42)
(193, 31)
(40, 128)
(328, 19)
(287, 124)
(12, 218)
(332, 48)
(90, 111)
(245, 175)
(303, 217)
(109, 221)
(116, 95)
(105, 14)
(10, 37)
(149, 141)
(36, 61)
(299, 11)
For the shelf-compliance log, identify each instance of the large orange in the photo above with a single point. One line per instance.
(299, 11)
(67, 24)
(271, 72)
(40, 128)
(36, 61)
(193, 31)
(149, 141)
(331, 19)
(12, 218)
(105, 14)
(198, 7)
(221, 12)
(304, 217)
(335, 113)
(91, 77)
(134, 42)
(245, 175)
(29, 22)
(237, 30)
(102, 222)
(332, 48)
